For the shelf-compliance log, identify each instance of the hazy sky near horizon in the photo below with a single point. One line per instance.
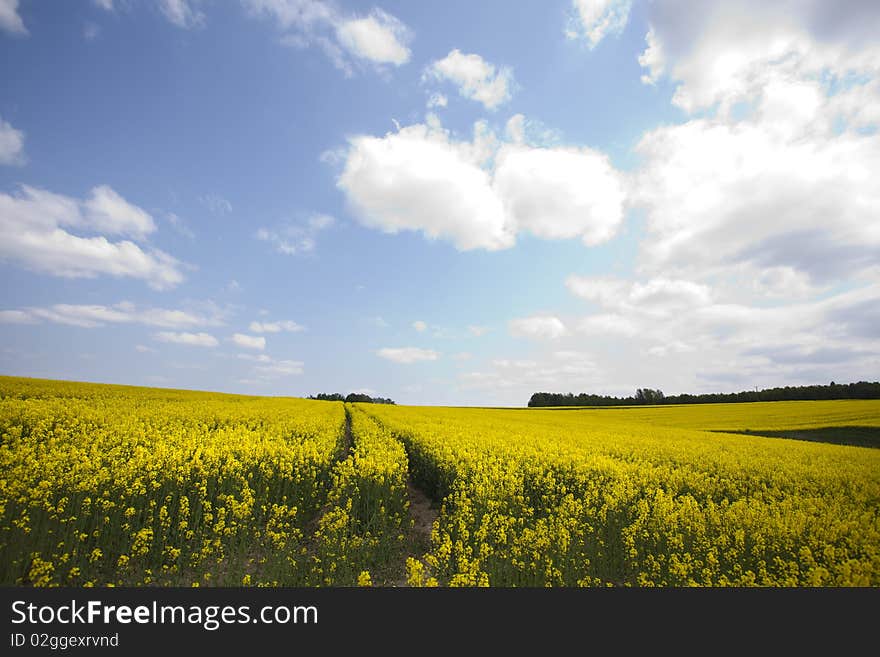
(441, 202)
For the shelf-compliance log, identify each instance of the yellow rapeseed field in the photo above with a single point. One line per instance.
(113, 485)
(643, 497)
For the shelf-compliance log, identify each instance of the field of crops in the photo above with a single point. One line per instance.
(113, 485)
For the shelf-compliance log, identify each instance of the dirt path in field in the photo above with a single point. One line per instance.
(423, 516)
(422, 512)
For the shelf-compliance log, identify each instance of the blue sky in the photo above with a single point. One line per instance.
(444, 203)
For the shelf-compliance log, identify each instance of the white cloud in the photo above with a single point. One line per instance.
(144, 349)
(280, 368)
(276, 327)
(259, 358)
(769, 190)
(476, 78)
(11, 144)
(181, 13)
(559, 193)
(10, 19)
(106, 5)
(437, 100)
(538, 326)
(296, 238)
(33, 234)
(608, 324)
(407, 355)
(478, 331)
(107, 212)
(596, 19)
(216, 204)
(661, 296)
(379, 37)
(477, 194)
(418, 179)
(16, 317)
(556, 371)
(188, 339)
(419, 325)
(249, 341)
(94, 315)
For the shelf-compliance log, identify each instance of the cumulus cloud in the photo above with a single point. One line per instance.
(407, 355)
(34, 233)
(419, 325)
(378, 39)
(182, 13)
(658, 295)
(249, 341)
(10, 20)
(187, 339)
(11, 144)
(538, 326)
(478, 194)
(593, 20)
(771, 184)
(95, 315)
(276, 327)
(560, 193)
(475, 78)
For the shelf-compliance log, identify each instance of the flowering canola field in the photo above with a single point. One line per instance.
(114, 485)
(645, 497)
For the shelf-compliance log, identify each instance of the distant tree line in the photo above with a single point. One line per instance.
(646, 396)
(351, 397)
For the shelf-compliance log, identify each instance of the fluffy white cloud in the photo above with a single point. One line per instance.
(107, 212)
(276, 327)
(419, 325)
(407, 355)
(94, 315)
(11, 144)
(538, 326)
(593, 20)
(106, 5)
(378, 38)
(477, 194)
(10, 19)
(182, 13)
(658, 295)
(33, 234)
(719, 195)
(418, 179)
(723, 52)
(475, 78)
(188, 339)
(249, 341)
(560, 192)
(772, 185)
